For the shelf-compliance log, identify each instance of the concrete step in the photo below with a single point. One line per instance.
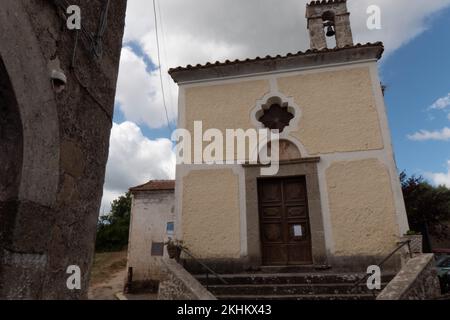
(288, 278)
(297, 297)
(294, 269)
(289, 289)
(325, 285)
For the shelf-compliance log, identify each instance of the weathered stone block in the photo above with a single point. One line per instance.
(50, 193)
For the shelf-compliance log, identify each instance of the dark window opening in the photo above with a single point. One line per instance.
(276, 117)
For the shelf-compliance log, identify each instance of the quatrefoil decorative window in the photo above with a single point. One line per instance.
(276, 117)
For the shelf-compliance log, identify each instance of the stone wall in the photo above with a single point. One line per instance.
(178, 284)
(50, 209)
(416, 281)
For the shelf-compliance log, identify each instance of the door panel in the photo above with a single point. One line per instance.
(273, 233)
(297, 211)
(271, 192)
(284, 221)
(272, 212)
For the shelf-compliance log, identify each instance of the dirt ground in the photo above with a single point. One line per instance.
(108, 275)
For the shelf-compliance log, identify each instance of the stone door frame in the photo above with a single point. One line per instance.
(293, 168)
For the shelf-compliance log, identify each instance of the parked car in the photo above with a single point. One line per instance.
(443, 268)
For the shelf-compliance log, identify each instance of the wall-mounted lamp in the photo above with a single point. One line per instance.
(57, 76)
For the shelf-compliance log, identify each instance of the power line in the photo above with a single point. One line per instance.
(93, 41)
(164, 42)
(159, 65)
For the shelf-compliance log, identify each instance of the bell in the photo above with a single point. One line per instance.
(330, 31)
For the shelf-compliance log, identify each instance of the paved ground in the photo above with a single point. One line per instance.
(108, 289)
(108, 278)
(141, 297)
(108, 275)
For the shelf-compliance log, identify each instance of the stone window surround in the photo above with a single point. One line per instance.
(276, 97)
(293, 168)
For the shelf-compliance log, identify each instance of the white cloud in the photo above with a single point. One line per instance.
(424, 135)
(108, 197)
(259, 27)
(134, 159)
(139, 92)
(199, 31)
(440, 179)
(448, 116)
(441, 103)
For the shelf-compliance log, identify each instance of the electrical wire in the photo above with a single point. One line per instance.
(159, 66)
(164, 41)
(97, 45)
(91, 40)
(94, 43)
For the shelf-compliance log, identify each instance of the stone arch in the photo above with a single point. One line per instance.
(11, 140)
(293, 147)
(31, 140)
(287, 149)
(65, 137)
(26, 67)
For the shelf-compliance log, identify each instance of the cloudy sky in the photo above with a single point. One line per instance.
(415, 69)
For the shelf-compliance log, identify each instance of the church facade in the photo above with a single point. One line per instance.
(336, 199)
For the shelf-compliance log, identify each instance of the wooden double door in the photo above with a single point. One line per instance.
(284, 221)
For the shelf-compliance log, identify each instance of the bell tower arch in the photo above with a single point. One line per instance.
(329, 19)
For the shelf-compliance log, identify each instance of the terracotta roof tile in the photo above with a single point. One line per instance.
(155, 185)
(325, 2)
(267, 58)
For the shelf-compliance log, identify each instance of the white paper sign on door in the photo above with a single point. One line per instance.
(298, 231)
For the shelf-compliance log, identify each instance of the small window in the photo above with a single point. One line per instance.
(276, 117)
(157, 249)
(170, 229)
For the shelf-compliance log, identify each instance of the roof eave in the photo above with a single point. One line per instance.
(290, 62)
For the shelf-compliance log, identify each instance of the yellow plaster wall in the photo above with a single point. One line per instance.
(363, 217)
(338, 115)
(211, 217)
(338, 110)
(224, 106)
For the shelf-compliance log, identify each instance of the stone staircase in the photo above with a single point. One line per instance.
(291, 286)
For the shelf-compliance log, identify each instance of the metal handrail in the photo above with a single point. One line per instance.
(380, 264)
(208, 269)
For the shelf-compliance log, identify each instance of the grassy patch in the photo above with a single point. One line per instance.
(106, 265)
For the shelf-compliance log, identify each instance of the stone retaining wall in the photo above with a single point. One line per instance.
(416, 281)
(178, 284)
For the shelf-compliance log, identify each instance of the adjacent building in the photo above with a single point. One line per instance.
(152, 224)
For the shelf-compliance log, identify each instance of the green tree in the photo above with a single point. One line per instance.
(113, 229)
(427, 206)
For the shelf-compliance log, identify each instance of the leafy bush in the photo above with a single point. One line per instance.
(428, 208)
(113, 229)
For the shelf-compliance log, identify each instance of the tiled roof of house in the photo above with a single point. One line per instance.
(155, 185)
(324, 2)
(278, 57)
